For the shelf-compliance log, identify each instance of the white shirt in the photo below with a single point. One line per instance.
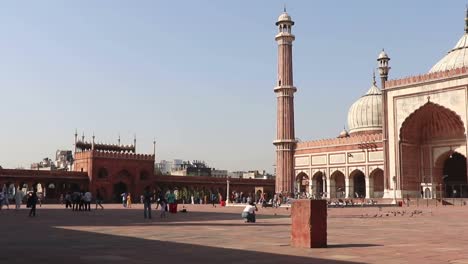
(87, 197)
(249, 209)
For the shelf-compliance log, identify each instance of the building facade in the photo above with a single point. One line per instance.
(406, 139)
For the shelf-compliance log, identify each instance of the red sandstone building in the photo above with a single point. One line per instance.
(407, 139)
(114, 169)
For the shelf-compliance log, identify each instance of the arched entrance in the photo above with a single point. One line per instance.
(302, 183)
(318, 184)
(376, 182)
(119, 188)
(337, 185)
(429, 127)
(359, 184)
(454, 176)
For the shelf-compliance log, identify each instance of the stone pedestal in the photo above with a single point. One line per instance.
(309, 223)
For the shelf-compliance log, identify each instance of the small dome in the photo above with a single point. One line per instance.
(383, 55)
(343, 133)
(284, 17)
(366, 113)
(456, 58)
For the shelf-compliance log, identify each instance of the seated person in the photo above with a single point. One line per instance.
(249, 213)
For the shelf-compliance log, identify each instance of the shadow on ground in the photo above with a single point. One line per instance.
(36, 240)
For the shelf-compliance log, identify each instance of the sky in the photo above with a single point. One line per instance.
(198, 76)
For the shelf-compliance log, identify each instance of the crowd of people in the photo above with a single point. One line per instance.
(80, 200)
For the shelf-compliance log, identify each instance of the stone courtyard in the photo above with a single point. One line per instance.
(217, 235)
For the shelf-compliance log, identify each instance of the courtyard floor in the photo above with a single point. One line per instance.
(217, 235)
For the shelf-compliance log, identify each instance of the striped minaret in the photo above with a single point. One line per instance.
(285, 138)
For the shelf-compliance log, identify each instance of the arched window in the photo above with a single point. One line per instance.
(102, 173)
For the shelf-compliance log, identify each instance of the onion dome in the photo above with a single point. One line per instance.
(365, 115)
(457, 57)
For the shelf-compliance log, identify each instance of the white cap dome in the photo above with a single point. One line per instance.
(456, 58)
(284, 17)
(366, 113)
(382, 55)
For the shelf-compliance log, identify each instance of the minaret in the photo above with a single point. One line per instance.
(92, 144)
(285, 139)
(134, 143)
(76, 137)
(384, 69)
(466, 20)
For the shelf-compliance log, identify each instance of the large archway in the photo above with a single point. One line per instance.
(376, 184)
(337, 185)
(318, 185)
(119, 189)
(429, 126)
(454, 176)
(302, 183)
(358, 181)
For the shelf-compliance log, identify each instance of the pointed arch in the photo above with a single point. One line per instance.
(431, 121)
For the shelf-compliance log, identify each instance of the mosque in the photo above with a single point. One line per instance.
(405, 139)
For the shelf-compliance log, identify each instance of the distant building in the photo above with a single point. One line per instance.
(236, 174)
(45, 164)
(164, 167)
(194, 168)
(64, 160)
(219, 173)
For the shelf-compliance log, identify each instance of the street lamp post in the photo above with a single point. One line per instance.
(227, 191)
(394, 190)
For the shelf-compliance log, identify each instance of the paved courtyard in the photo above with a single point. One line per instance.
(217, 235)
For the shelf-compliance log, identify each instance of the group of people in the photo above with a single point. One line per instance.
(17, 195)
(81, 200)
(126, 200)
(163, 202)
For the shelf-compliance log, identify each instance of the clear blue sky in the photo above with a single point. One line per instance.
(198, 75)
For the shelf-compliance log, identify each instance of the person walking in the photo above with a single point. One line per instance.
(163, 204)
(147, 203)
(99, 199)
(18, 198)
(171, 200)
(129, 200)
(124, 199)
(32, 201)
(68, 200)
(88, 197)
(213, 199)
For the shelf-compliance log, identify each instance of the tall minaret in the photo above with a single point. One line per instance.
(285, 138)
(384, 69)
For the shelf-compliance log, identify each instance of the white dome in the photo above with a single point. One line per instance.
(366, 113)
(284, 17)
(382, 55)
(456, 58)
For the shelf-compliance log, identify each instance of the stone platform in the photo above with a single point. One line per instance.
(218, 235)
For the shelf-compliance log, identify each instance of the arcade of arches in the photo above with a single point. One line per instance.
(356, 185)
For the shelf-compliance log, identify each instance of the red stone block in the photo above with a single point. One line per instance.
(309, 224)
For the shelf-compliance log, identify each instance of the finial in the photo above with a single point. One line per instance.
(82, 137)
(284, 8)
(76, 132)
(118, 140)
